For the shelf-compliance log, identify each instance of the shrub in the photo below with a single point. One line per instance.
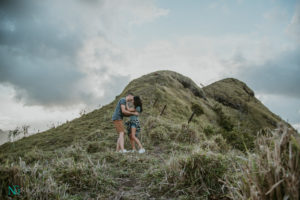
(221, 142)
(239, 139)
(160, 130)
(209, 131)
(188, 135)
(159, 134)
(224, 121)
(197, 110)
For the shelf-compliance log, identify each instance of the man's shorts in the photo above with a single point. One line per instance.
(119, 125)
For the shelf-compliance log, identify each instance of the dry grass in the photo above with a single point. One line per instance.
(273, 170)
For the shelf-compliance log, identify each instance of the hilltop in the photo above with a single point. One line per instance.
(77, 160)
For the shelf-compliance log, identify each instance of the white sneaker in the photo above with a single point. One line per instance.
(124, 151)
(132, 151)
(142, 150)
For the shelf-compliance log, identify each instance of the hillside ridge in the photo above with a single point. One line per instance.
(229, 92)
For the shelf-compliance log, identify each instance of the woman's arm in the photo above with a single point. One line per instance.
(127, 112)
(130, 106)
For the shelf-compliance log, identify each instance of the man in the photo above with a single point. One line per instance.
(117, 118)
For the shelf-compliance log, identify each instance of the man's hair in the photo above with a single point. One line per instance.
(130, 93)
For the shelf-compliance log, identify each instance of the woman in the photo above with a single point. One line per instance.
(133, 125)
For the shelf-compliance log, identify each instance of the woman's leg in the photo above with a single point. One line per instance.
(132, 142)
(133, 131)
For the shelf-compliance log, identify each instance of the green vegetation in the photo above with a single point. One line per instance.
(202, 159)
(197, 110)
(272, 171)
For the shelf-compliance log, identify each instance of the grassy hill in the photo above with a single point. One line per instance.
(77, 160)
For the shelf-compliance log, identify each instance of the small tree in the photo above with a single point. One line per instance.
(197, 110)
(82, 112)
(25, 129)
(12, 134)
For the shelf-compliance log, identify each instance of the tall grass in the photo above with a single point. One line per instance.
(273, 170)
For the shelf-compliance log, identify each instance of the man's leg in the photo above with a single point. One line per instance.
(120, 129)
(118, 144)
(121, 140)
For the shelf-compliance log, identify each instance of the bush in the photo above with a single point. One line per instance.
(188, 135)
(159, 134)
(221, 142)
(160, 130)
(209, 131)
(239, 139)
(224, 121)
(197, 109)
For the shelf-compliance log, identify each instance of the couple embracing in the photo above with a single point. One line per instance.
(129, 106)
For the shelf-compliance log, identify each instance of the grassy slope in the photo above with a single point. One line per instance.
(79, 156)
(237, 95)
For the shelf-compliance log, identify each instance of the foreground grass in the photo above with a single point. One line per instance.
(206, 169)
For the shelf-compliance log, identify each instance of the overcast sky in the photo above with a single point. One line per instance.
(59, 57)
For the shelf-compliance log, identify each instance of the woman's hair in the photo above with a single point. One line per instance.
(138, 102)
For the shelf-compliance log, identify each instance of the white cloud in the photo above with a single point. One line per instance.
(15, 114)
(297, 127)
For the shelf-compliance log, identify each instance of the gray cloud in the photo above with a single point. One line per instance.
(115, 84)
(280, 75)
(39, 43)
(38, 80)
(47, 52)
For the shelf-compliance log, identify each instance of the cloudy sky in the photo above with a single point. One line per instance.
(59, 57)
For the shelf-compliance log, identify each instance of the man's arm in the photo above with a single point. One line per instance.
(130, 106)
(126, 112)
